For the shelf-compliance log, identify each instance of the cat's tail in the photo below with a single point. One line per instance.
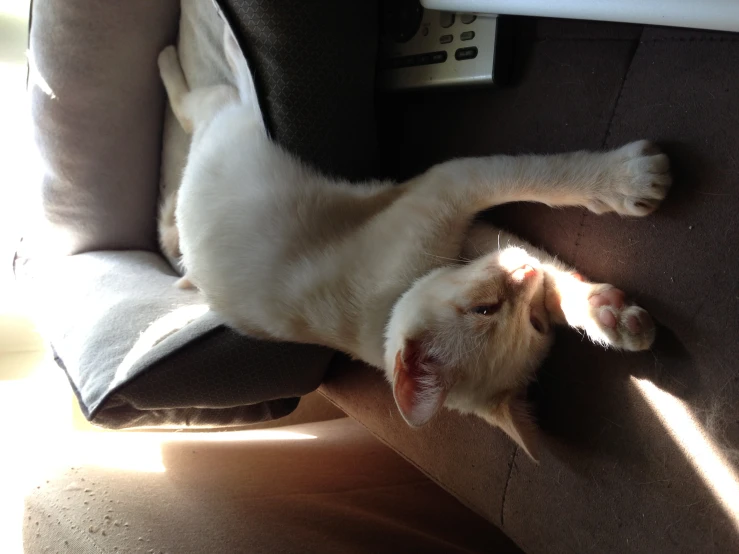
(244, 79)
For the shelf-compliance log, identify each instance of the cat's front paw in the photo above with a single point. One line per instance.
(618, 323)
(638, 179)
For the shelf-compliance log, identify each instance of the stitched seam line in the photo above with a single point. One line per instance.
(583, 39)
(505, 488)
(691, 39)
(427, 472)
(648, 41)
(616, 104)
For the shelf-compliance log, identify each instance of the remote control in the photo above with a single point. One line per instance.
(422, 48)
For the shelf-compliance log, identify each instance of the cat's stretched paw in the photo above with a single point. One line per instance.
(638, 180)
(618, 323)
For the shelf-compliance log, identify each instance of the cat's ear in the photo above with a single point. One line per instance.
(512, 414)
(418, 386)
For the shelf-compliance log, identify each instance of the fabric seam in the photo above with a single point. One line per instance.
(511, 464)
(616, 104)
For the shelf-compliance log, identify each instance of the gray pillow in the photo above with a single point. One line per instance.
(138, 351)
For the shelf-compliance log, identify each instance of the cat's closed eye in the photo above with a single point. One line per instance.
(487, 309)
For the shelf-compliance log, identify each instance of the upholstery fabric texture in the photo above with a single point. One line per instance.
(300, 491)
(621, 470)
(138, 351)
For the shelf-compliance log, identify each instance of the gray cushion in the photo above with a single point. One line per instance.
(97, 110)
(138, 351)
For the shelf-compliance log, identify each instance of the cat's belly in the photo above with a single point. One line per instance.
(268, 278)
(275, 248)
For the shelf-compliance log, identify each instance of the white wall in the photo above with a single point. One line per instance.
(19, 173)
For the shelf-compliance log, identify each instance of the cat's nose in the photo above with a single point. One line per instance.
(523, 273)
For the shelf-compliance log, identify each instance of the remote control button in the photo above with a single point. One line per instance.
(466, 53)
(467, 35)
(467, 18)
(446, 19)
(419, 59)
(401, 19)
(438, 57)
(446, 39)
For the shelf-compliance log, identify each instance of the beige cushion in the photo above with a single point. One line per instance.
(324, 487)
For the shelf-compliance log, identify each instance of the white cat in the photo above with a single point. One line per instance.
(455, 313)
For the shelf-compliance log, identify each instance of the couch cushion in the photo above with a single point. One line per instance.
(314, 67)
(320, 488)
(306, 62)
(138, 351)
(97, 106)
(639, 448)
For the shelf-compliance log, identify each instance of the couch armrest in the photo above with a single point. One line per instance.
(140, 352)
(98, 106)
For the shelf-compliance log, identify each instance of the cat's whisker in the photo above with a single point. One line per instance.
(460, 259)
(351, 297)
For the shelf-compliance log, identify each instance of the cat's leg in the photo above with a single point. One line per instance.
(600, 310)
(175, 84)
(631, 180)
(194, 109)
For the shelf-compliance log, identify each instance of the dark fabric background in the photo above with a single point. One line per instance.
(314, 65)
(612, 478)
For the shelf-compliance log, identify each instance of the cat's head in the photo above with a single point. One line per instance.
(470, 337)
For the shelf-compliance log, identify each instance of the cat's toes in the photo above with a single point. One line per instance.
(184, 283)
(168, 61)
(617, 323)
(641, 179)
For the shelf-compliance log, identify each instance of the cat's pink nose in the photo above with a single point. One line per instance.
(523, 273)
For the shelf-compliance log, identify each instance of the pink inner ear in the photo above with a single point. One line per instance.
(405, 386)
(417, 388)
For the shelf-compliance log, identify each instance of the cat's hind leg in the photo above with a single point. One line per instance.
(195, 108)
(175, 84)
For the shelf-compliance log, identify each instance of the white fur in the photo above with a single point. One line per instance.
(285, 253)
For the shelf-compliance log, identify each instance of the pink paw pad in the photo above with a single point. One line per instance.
(613, 298)
(607, 318)
(639, 323)
(624, 325)
(610, 297)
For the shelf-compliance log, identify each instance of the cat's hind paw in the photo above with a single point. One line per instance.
(618, 323)
(184, 283)
(639, 179)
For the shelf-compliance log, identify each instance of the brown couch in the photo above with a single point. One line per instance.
(637, 448)
(626, 467)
